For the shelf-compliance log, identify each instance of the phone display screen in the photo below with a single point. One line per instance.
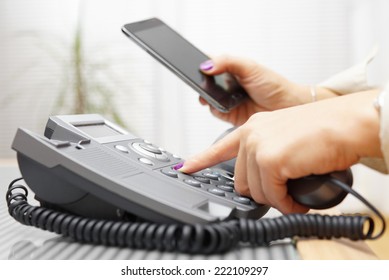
(98, 130)
(184, 59)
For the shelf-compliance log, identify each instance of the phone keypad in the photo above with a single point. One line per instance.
(212, 181)
(216, 182)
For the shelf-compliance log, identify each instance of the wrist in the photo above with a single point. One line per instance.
(311, 93)
(367, 125)
(324, 93)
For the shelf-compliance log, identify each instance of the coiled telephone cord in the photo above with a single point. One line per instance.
(186, 238)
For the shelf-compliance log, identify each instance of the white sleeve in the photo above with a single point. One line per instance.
(352, 80)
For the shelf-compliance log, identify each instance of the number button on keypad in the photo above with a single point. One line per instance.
(193, 183)
(226, 188)
(242, 200)
(216, 191)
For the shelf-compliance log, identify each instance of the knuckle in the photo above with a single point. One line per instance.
(260, 198)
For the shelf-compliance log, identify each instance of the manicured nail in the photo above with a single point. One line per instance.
(178, 166)
(206, 65)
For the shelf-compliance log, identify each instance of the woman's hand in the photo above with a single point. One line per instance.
(268, 90)
(314, 138)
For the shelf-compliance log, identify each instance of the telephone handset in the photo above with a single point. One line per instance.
(100, 184)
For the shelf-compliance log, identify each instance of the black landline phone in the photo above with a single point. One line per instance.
(100, 184)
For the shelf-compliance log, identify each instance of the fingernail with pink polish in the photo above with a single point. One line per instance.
(206, 65)
(178, 166)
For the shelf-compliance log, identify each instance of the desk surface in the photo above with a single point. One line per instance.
(21, 242)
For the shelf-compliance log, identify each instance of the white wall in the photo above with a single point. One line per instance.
(305, 40)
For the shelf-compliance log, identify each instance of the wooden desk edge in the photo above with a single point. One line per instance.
(334, 249)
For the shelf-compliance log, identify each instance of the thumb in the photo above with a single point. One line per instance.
(225, 149)
(236, 66)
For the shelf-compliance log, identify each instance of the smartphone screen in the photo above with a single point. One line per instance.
(180, 56)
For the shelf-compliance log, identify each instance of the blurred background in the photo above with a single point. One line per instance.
(65, 57)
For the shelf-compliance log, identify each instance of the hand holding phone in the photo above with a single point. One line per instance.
(223, 92)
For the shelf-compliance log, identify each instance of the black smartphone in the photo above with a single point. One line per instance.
(166, 45)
